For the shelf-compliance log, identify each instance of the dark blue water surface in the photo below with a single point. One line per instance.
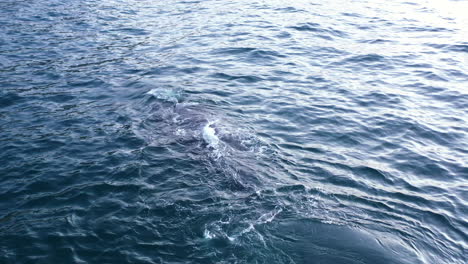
(241, 131)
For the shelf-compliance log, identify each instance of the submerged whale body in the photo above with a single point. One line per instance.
(211, 139)
(190, 122)
(204, 135)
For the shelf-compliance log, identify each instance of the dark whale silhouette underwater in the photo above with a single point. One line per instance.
(212, 138)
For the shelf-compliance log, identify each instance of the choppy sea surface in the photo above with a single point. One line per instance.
(233, 131)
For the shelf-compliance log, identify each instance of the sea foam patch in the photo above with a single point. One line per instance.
(170, 95)
(209, 135)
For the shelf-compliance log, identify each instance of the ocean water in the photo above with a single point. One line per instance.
(249, 131)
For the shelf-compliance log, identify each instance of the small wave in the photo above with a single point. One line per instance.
(239, 78)
(368, 58)
(7, 99)
(425, 29)
(371, 61)
(317, 28)
(463, 47)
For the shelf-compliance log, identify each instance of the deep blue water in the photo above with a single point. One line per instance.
(233, 131)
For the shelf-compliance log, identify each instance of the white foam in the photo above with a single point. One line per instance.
(209, 135)
(208, 235)
(180, 132)
(268, 217)
(165, 94)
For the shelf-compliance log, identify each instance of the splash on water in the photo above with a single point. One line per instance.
(169, 95)
(209, 135)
